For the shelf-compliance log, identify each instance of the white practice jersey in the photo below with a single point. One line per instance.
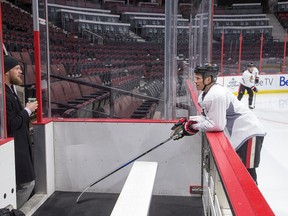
(222, 111)
(255, 72)
(248, 79)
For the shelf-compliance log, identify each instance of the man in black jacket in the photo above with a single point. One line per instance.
(18, 127)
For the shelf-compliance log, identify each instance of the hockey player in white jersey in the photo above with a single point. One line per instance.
(222, 111)
(250, 77)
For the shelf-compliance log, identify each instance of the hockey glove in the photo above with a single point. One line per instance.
(183, 128)
(256, 80)
(254, 89)
(178, 128)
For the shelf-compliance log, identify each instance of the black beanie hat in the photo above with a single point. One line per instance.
(9, 63)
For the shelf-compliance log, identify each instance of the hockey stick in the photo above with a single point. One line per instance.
(126, 164)
(175, 132)
(254, 100)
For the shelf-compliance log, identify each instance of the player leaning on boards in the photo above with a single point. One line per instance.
(222, 111)
(250, 77)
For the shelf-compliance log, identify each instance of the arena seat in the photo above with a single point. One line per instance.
(62, 98)
(30, 78)
(74, 97)
(88, 91)
(102, 95)
(26, 58)
(54, 70)
(17, 56)
(70, 113)
(58, 100)
(117, 109)
(127, 106)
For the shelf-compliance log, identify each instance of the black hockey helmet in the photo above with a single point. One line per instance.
(207, 70)
(250, 64)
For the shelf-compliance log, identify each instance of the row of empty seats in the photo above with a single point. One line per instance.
(127, 106)
(79, 95)
(102, 23)
(241, 22)
(84, 97)
(120, 8)
(124, 106)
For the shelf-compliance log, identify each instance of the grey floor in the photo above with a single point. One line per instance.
(100, 204)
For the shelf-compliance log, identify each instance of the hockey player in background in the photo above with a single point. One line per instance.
(221, 111)
(250, 77)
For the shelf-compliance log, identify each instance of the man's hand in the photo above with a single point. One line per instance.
(177, 129)
(183, 128)
(32, 106)
(254, 89)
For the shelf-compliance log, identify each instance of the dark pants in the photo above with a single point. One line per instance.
(241, 92)
(24, 192)
(249, 153)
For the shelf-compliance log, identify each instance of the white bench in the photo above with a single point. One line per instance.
(136, 193)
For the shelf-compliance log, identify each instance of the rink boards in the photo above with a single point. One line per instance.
(276, 83)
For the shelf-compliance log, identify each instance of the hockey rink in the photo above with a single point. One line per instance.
(272, 110)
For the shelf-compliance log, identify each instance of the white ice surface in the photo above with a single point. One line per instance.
(272, 110)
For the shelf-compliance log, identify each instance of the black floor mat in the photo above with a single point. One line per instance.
(100, 204)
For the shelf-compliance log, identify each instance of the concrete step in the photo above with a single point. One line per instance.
(137, 37)
(278, 31)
